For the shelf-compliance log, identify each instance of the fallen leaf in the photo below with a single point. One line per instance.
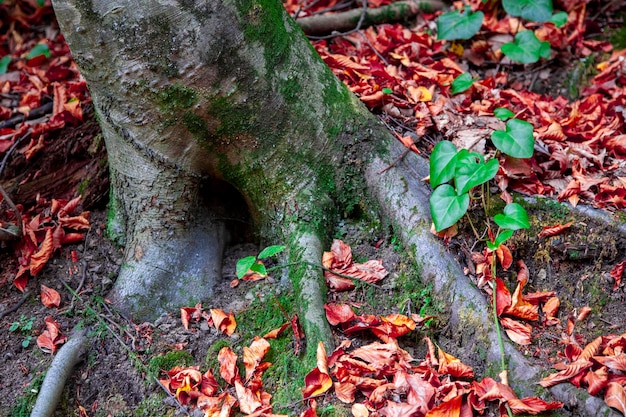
(450, 408)
(532, 405)
(51, 337)
(554, 230)
(223, 322)
(248, 402)
(616, 273)
(615, 397)
(41, 257)
(228, 365)
(338, 313)
(50, 297)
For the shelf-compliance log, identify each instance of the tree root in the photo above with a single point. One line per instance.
(327, 23)
(404, 199)
(60, 369)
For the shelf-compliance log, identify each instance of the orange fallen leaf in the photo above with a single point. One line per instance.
(41, 257)
(338, 313)
(450, 408)
(453, 366)
(50, 297)
(360, 410)
(532, 405)
(51, 337)
(223, 322)
(228, 365)
(570, 371)
(554, 230)
(615, 397)
(254, 354)
(248, 402)
(517, 331)
(273, 334)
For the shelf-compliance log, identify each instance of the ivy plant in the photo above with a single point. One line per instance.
(455, 172)
(254, 264)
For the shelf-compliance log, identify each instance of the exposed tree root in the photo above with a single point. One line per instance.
(404, 199)
(327, 23)
(60, 369)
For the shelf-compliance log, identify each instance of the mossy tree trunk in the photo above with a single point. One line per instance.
(192, 91)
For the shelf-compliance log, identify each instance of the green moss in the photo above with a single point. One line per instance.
(261, 18)
(82, 187)
(154, 405)
(168, 361)
(24, 404)
(175, 97)
(115, 227)
(196, 126)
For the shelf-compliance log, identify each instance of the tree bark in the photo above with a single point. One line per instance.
(192, 91)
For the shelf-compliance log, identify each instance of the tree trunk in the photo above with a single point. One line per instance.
(191, 92)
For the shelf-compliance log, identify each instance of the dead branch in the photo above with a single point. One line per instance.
(341, 22)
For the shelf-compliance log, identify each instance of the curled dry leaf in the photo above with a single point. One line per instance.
(615, 397)
(616, 273)
(223, 322)
(41, 257)
(517, 331)
(339, 313)
(554, 230)
(228, 365)
(50, 297)
(532, 405)
(51, 337)
(254, 354)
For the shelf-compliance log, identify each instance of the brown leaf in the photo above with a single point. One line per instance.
(569, 372)
(616, 273)
(51, 337)
(615, 397)
(248, 402)
(554, 230)
(615, 363)
(49, 297)
(254, 354)
(359, 410)
(532, 405)
(41, 257)
(228, 365)
(451, 365)
(517, 331)
(339, 313)
(345, 392)
(596, 380)
(223, 322)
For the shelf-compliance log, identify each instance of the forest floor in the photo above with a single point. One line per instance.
(124, 359)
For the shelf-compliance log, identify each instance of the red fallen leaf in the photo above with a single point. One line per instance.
(21, 278)
(591, 349)
(41, 257)
(70, 238)
(248, 402)
(223, 322)
(51, 337)
(254, 354)
(75, 223)
(359, 410)
(345, 391)
(616, 273)
(615, 397)
(234, 283)
(571, 370)
(504, 256)
(339, 314)
(311, 411)
(276, 332)
(517, 332)
(520, 307)
(550, 309)
(584, 312)
(615, 363)
(538, 297)
(450, 365)
(50, 297)
(450, 408)
(554, 230)
(338, 284)
(228, 365)
(503, 297)
(522, 274)
(532, 405)
(489, 390)
(298, 333)
(597, 380)
(316, 383)
(190, 313)
(393, 326)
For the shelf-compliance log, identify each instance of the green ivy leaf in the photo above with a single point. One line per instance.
(387, 90)
(514, 217)
(446, 207)
(259, 268)
(503, 113)
(517, 141)
(462, 83)
(13, 327)
(472, 170)
(526, 49)
(243, 265)
(457, 25)
(559, 19)
(442, 163)
(271, 251)
(502, 237)
(39, 49)
(535, 10)
(4, 64)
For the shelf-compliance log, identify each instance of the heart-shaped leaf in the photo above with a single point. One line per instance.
(442, 162)
(502, 237)
(462, 83)
(271, 251)
(535, 10)
(526, 49)
(472, 170)
(39, 49)
(503, 113)
(517, 141)
(459, 25)
(259, 268)
(514, 217)
(446, 207)
(243, 265)
(559, 19)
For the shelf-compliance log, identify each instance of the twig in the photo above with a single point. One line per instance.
(395, 162)
(16, 306)
(33, 114)
(336, 33)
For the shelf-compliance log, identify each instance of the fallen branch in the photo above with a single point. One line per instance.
(345, 21)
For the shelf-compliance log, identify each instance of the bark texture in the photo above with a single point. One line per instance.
(189, 91)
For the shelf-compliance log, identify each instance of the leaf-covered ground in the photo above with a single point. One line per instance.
(559, 290)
